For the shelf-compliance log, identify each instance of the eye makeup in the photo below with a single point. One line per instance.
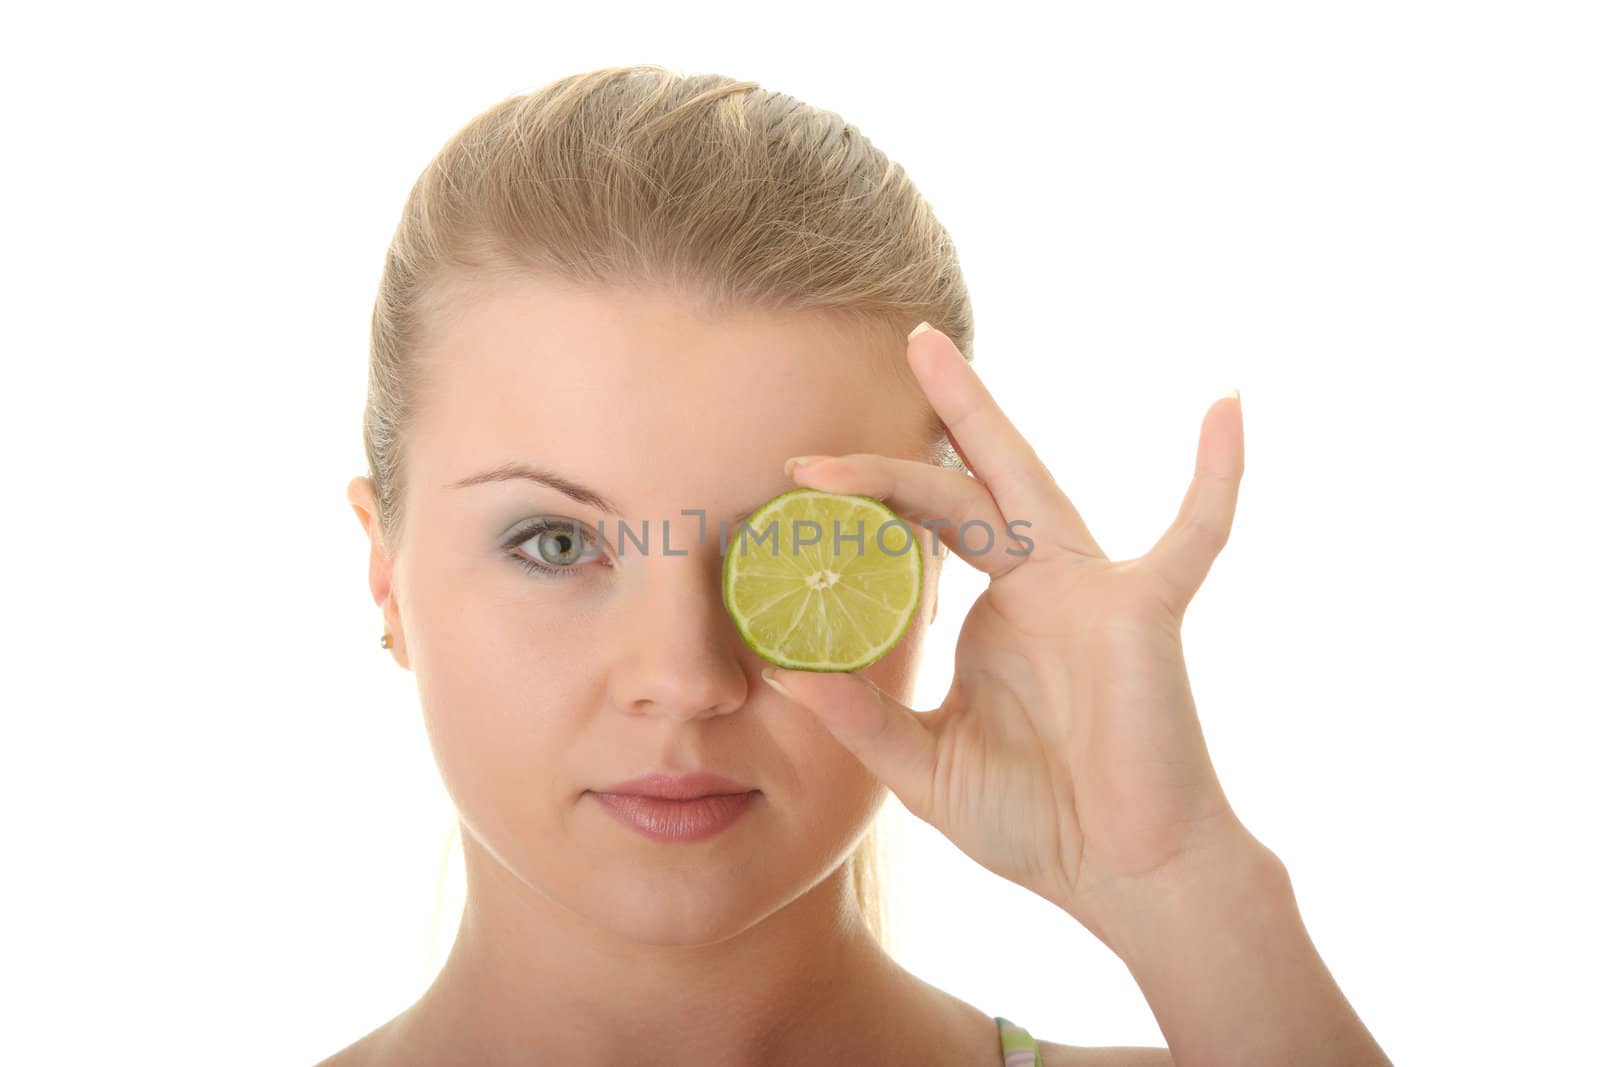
(567, 540)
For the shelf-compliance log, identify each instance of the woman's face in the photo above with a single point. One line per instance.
(538, 688)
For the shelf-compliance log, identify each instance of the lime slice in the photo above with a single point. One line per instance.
(821, 581)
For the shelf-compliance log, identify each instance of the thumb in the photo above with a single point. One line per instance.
(1184, 555)
(889, 739)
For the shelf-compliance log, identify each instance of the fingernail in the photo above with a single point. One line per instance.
(792, 462)
(767, 673)
(1235, 395)
(920, 328)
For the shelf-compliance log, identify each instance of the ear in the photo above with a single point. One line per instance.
(363, 499)
(933, 567)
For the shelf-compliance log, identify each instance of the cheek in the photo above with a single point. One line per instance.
(825, 791)
(489, 635)
(896, 672)
(504, 675)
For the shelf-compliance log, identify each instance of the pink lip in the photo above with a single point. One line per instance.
(677, 820)
(677, 787)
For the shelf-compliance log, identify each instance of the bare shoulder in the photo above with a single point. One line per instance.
(356, 1055)
(351, 1056)
(1055, 1055)
(367, 1051)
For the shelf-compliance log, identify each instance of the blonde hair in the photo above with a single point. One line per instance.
(740, 196)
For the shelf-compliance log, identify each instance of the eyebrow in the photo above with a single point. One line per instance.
(517, 471)
(507, 472)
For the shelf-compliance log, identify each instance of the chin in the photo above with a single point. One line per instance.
(677, 915)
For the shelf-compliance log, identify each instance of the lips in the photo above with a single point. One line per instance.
(677, 820)
(677, 787)
(677, 807)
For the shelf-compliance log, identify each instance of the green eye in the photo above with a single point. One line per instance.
(550, 547)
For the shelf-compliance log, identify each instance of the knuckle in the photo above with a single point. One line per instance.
(1208, 530)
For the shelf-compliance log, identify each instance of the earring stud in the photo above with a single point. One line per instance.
(386, 641)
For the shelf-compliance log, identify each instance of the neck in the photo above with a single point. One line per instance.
(530, 981)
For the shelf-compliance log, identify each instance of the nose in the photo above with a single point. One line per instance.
(677, 652)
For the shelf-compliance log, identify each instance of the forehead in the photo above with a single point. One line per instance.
(631, 391)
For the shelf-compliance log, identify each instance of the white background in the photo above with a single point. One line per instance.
(1377, 220)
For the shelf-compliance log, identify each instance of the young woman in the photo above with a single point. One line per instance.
(635, 298)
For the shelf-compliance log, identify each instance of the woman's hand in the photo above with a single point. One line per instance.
(1067, 756)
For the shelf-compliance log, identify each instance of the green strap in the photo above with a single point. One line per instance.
(1014, 1038)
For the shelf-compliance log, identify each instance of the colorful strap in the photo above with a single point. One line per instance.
(1017, 1046)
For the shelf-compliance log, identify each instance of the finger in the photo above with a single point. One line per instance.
(1183, 556)
(887, 737)
(991, 446)
(955, 506)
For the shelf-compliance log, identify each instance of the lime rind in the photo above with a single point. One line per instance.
(863, 611)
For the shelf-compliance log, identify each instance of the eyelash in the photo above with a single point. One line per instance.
(523, 534)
